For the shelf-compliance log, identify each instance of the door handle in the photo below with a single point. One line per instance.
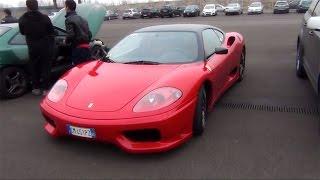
(311, 33)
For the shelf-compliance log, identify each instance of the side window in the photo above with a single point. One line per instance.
(312, 6)
(18, 39)
(316, 11)
(220, 35)
(210, 41)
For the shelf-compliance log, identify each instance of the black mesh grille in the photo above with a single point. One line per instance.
(271, 108)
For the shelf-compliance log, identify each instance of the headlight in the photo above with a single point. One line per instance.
(157, 99)
(58, 90)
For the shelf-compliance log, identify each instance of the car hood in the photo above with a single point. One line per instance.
(208, 10)
(93, 13)
(111, 86)
(255, 8)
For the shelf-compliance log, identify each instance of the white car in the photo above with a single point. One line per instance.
(131, 14)
(209, 10)
(255, 8)
(233, 8)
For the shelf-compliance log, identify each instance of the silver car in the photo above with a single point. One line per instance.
(255, 8)
(233, 8)
(131, 14)
(308, 45)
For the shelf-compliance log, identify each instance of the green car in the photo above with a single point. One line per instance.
(14, 77)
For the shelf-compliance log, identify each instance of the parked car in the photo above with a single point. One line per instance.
(220, 8)
(111, 15)
(176, 74)
(233, 8)
(304, 6)
(293, 4)
(178, 11)
(209, 10)
(308, 45)
(14, 58)
(155, 12)
(131, 14)
(255, 8)
(166, 11)
(281, 7)
(191, 10)
(146, 13)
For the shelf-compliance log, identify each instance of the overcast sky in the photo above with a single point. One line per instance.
(21, 2)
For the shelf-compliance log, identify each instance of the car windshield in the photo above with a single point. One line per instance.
(145, 10)
(3, 30)
(127, 11)
(233, 5)
(189, 7)
(209, 7)
(159, 47)
(255, 5)
(306, 3)
(281, 3)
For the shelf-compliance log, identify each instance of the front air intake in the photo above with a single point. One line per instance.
(144, 135)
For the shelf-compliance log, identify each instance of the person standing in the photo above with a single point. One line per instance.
(8, 18)
(39, 33)
(78, 34)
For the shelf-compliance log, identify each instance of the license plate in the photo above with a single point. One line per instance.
(81, 132)
(144, 15)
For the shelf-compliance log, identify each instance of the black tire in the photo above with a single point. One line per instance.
(300, 71)
(13, 82)
(201, 113)
(242, 66)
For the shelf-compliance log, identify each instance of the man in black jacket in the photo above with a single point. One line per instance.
(39, 33)
(78, 34)
(8, 18)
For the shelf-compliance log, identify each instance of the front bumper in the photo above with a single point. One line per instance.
(175, 128)
(281, 10)
(253, 11)
(189, 14)
(208, 13)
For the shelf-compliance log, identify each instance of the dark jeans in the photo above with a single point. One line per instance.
(41, 55)
(80, 55)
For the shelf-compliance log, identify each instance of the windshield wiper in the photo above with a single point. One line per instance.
(143, 62)
(107, 59)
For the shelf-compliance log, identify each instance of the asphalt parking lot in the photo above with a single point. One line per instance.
(263, 127)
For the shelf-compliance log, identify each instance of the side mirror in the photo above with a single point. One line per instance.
(314, 23)
(221, 50)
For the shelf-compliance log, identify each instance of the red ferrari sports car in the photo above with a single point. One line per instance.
(151, 92)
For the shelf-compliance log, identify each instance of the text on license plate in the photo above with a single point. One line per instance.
(81, 132)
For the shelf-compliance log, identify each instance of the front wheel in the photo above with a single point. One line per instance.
(13, 82)
(242, 66)
(300, 71)
(201, 113)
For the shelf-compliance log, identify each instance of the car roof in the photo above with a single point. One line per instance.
(177, 27)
